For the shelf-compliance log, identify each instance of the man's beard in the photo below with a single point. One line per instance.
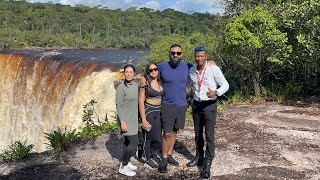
(174, 62)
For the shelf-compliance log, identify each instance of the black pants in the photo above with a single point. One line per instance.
(153, 117)
(204, 117)
(129, 148)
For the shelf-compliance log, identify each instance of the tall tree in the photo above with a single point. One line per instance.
(252, 40)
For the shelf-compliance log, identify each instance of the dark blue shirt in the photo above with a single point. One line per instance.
(174, 82)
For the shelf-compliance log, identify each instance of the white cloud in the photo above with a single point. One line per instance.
(155, 5)
(43, 1)
(203, 6)
(112, 4)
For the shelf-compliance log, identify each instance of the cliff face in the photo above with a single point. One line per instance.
(39, 94)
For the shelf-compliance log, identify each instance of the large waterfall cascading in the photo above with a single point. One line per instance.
(39, 94)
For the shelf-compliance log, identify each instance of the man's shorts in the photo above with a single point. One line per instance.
(172, 117)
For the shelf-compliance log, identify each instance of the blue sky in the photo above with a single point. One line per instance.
(211, 6)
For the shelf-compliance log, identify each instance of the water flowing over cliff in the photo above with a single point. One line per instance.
(39, 94)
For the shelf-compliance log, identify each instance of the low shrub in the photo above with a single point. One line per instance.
(94, 126)
(59, 141)
(17, 151)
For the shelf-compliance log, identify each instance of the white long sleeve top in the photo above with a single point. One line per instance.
(211, 77)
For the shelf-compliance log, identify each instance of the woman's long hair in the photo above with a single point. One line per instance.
(124, 69)
(148, 77)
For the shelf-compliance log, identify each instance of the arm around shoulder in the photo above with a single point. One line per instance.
(211, 63)
(143, 82)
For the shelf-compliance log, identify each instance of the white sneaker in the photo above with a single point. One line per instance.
(125, 170)
(148, 166)
(131, 166)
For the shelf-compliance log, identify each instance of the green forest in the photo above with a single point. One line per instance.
(266, 48)
(24, 24)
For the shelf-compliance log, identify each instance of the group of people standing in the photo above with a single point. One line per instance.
(161, 101)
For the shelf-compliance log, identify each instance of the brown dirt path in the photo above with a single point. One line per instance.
(263, 141)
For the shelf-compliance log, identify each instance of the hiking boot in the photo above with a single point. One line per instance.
(172, 161)
(162, 167)
(150, 164)
(125, 170)
(131, 166)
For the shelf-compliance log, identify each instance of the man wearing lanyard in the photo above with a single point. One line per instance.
(208, 83)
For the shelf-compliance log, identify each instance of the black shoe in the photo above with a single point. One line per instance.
(196, 161)
(162, 167)
(172, 161)
(206, 169)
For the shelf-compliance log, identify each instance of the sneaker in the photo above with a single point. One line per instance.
(162, 168)
(125, 170)
(172, 161)
(150, 164)
(131, 166)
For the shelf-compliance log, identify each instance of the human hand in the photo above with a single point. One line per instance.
(211, 93)
(143, 82)
(211, 63)
(124, 127)
(144, 124)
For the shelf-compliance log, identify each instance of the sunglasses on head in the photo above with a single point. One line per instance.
(200, 48)
(173, 53)
(154, 69)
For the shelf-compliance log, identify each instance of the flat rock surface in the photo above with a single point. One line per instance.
(253, 141)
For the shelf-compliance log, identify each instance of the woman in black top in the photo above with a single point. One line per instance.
(150, 97)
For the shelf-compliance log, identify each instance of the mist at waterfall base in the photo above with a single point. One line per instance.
(42, 90)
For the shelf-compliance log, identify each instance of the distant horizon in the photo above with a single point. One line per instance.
(185, 6)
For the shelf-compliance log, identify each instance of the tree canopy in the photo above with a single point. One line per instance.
(266, 48)
(24, 24)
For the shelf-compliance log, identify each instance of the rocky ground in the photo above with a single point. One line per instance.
(254, 141)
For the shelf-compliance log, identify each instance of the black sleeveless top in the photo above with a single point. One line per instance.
(154, 94)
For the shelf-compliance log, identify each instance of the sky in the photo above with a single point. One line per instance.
(187, 6)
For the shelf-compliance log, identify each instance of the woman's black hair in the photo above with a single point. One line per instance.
(124, 69)
(148, 77)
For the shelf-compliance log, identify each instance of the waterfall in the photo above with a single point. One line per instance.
(39, 94)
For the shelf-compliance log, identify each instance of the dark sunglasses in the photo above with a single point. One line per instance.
(200, 48)
(173, 53)
(151, 70)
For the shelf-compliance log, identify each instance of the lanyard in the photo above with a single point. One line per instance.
(200, 78)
